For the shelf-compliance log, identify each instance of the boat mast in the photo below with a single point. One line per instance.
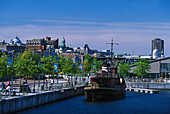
(112, 49)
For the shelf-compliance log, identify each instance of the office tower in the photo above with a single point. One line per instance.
(159, 45)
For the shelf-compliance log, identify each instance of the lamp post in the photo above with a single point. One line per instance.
(57, 69)
(38, 82)
(34, 80)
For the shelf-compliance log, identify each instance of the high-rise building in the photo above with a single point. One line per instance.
(159, 45)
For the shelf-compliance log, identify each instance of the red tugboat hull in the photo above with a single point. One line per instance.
(97, 94)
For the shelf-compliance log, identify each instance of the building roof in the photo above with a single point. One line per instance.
(16, 40)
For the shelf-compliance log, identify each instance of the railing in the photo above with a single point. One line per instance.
(149, 80)
(21, 91)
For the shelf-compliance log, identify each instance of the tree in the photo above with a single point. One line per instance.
(19, 66)
(61, 63)
(123, 68)
(1, 53)
(89, 58)
(3, 65)
(10, 72)
(34, 70)
(86, 66)
(87, 63)
(55, 61)
(98, 64)
(24, 62)
(48, 65)
(142, 66)
(75, 69)
(68, 67)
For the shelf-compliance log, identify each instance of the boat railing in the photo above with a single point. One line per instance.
(108, 75)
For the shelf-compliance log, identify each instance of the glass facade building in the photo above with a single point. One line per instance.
(165, 70)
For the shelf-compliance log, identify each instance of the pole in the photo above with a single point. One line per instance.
(38, 82)
(49, 53)
(57, 78)
(112, 48)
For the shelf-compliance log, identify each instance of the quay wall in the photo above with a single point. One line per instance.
(148, 85)
(35, 99)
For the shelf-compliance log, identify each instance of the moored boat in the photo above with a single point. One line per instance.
(105, 87)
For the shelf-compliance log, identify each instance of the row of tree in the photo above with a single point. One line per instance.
(91, 64)
(141, 68)
(31, 64)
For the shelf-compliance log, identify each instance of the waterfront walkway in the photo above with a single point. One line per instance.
(40, 87)
(151, 91)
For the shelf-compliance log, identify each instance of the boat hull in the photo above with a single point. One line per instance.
(104, 94)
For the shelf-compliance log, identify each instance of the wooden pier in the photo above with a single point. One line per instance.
(151, 91)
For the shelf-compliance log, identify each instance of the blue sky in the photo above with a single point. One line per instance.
(131, 23)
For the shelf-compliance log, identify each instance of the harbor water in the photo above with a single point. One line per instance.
(133, 103)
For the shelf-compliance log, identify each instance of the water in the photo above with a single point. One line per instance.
(133, 103)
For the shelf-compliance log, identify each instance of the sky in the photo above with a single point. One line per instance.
(133, 24)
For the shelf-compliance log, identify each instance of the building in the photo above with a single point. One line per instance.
(77, 58)
(79, 50)
(41, 45)
(16, 46)
(63, 48)
(51, 44)
(159, 45)
(3, 45)
(36, 45)
(158, 68)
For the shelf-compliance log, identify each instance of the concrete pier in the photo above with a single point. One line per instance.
(148, 85)
(11, 105)
(151, 91)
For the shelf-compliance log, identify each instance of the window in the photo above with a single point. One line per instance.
(165, 67)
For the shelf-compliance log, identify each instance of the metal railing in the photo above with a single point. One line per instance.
(149, 80)
(21, 91)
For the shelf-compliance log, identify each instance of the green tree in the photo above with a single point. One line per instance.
(68, 67)
(1, 53)
(142, 66)
(19, 66)
(10, 72)
(75, 69)
(3, 66)
(123, 68)
(98, 64)
(24, 62)
(34, 70)
(48, 64)
(87, 63)
(86, 66)
(89, 58)
(61, 63)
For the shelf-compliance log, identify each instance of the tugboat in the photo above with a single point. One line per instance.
(108, 86)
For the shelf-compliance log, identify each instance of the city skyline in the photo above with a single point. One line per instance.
(131, 23)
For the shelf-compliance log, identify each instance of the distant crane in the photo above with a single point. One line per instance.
(112, 48)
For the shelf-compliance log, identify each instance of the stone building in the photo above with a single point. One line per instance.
(36, 45)
(42, 45)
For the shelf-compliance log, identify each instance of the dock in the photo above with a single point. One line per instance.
(151, 91)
